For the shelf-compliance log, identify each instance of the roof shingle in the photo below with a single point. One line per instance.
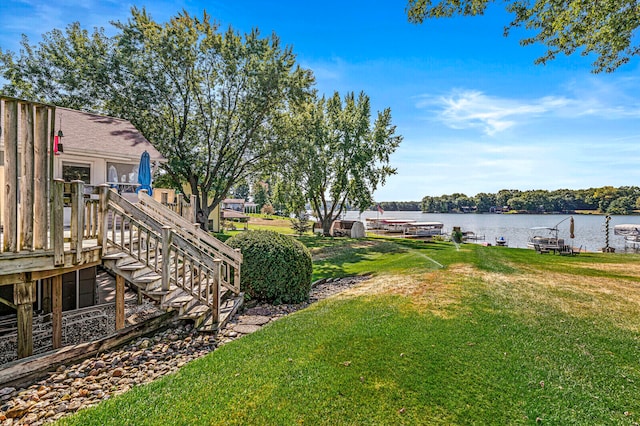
(87, 132)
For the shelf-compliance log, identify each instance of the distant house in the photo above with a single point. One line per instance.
(250, 207)
(236, 204)
(233, 210)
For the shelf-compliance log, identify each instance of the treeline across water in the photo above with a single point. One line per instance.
(400, 206)
(607, 199)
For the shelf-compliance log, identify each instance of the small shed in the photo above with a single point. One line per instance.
(348, 228)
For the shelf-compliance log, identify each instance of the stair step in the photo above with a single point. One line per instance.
(146, 279)
(132, 266)
(228, 308)
(127, 260)
(155, 294)
(179, 301)
(114, 256)
(195, 312)
(160, 292)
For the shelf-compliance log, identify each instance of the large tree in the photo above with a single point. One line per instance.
(606, 29)
(67, 68)
(339, 156)
(209, 101)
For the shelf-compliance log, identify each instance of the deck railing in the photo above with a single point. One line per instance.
(27, 129)
(165, 248)
(204, 242)
(181, 206)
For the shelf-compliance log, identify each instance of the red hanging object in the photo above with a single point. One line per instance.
(56, 140)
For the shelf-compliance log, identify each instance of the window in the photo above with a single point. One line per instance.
(76, 172)
(122, 173)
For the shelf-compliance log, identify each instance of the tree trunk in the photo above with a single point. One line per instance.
(326, 226)
(205, 216)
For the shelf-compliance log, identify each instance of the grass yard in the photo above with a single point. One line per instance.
(480, 335)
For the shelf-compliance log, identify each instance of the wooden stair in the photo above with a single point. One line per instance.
(142, 277)
(171, 262)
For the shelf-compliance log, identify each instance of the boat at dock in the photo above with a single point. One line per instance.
(407, 227)
(547, 242)
(471, 236)
(501, 242)
(389, 224)
(546, 237)
(630, 232)
(423, 229)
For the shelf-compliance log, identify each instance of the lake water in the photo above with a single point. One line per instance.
(589, 230)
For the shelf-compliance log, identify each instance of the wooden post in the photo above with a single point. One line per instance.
(56, 313)
(145, 192)
(166, 263)
(41, 179)
(102, 216)
(27, 176)
(119, 302)
(57, 222)
(23, 296)
(77, 218)
(96, 220)
(192, 209)
(215, 290)
(10, 214)
(236, 275)
(180, 204)
(47, 306)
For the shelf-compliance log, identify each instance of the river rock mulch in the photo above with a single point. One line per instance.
(105, 375)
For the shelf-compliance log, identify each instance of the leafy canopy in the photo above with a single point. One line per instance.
(606, 29)
(209, 101)
(339, 156)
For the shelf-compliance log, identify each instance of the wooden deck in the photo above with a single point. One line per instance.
(166, 257)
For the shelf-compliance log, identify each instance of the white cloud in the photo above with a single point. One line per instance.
(473, 109)
(464, 109)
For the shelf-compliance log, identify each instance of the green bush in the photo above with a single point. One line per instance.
(276, 268)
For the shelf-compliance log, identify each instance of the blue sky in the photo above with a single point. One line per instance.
(476, 114)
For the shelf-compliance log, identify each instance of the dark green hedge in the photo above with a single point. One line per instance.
(276, 268)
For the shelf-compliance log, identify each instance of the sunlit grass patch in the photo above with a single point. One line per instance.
(494, 336)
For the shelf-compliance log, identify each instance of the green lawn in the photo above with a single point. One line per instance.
(496, 336)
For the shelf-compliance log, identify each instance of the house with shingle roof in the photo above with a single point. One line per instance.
(96, 149)
(100, 149)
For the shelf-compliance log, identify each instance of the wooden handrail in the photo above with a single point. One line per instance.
(184, 227)
(179, 244)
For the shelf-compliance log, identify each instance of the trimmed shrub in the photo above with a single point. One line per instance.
(276, 268)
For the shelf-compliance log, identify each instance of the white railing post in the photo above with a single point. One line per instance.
(215, 299)
(166, 262)
(103, 211)
(236, 274)
(77, 217)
